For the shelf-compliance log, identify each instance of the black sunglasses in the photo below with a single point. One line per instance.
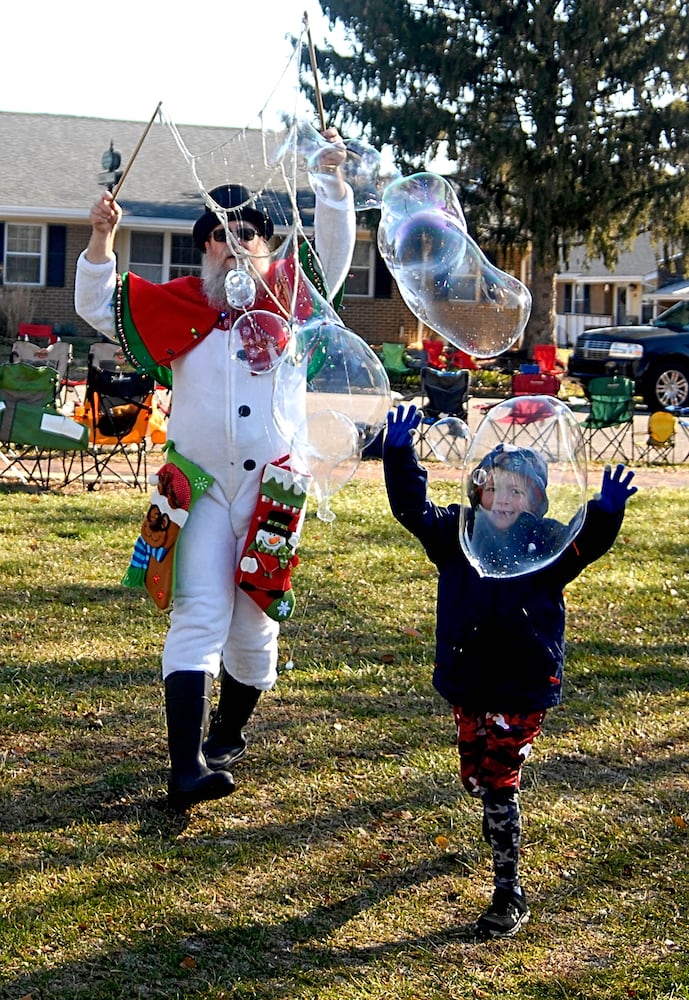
(245, 234)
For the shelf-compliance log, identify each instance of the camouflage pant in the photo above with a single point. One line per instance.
(493, 747)
(492, 750)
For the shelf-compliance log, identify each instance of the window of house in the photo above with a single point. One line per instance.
(361, 273)
(184, 257)
(160, 257)
(24, 254)
(146, 255)
(577, 298)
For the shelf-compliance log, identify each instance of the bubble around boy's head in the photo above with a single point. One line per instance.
(523, 462)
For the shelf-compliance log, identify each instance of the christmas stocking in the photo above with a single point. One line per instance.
(269, 553)
(179, 484)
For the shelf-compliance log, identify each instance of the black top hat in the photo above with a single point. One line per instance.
(279, 522)
(230, 196)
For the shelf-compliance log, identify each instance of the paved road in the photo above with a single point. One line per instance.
(647, 474)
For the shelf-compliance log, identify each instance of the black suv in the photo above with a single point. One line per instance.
(656, 356)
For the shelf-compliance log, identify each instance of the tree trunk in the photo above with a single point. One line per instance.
(541, 327)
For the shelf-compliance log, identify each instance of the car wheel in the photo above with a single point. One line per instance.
(668, 386)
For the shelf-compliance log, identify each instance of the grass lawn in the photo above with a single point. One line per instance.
(348, 863)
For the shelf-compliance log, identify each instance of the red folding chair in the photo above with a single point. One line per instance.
(37, 332)
(545, 355)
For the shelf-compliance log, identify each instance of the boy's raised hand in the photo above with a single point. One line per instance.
(615, 489)
(400, 426)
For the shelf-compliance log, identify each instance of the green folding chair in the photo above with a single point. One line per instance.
(394, 359)
(609, 427)
(34, 435)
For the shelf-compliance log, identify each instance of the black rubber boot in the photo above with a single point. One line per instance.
(226, 743)
(187, 707)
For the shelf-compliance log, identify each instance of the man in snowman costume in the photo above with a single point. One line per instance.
(222, 421)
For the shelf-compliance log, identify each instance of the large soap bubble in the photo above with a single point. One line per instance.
(442, 275)
(326, 445)
(258, 340)
(366, 170)
(331, 398)
(340, 373)
(524, 487)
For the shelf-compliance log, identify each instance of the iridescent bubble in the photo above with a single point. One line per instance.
(442, 275)
(326, 445)
(422, 192)
(258, 340)
(340, 373)
(366, 170)
(240, 289)
(427, 245)
(449, 440)
(524, 487)
(368, 173)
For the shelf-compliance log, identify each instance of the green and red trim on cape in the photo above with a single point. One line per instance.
(174, 316)
(156, 324)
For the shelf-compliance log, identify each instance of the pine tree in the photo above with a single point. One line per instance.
(568, 122)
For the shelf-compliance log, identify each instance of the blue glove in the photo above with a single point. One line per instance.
(401, 425)
(615, 490)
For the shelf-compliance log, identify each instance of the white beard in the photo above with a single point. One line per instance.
(213, 273)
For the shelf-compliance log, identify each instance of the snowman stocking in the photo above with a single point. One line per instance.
(269, 553)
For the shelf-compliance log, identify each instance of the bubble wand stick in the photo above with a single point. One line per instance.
(314, 67)
(136, 152)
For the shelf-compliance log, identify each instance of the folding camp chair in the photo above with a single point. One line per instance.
(434, 349)
(38, 444)
(394, 359)
(38, 333)
(545, 356)
(528, 421)
(610, 422)
(456, 359)
(660, 443)
(444, 394)
(157, 425)
(415, 358)
(117, 408)
(57, 355)
(681, 413)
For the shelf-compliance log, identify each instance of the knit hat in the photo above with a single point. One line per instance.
(511, 458)
(230, 196)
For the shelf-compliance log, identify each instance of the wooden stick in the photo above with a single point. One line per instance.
(314, 67)
(135, 153)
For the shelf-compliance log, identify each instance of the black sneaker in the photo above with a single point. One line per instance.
(505, 915)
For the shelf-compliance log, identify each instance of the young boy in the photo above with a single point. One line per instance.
(506, 529)
(499, 639)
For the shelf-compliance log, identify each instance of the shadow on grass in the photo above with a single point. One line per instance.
(120, 752)
(291, 957)
(248, 957)
(285, 956)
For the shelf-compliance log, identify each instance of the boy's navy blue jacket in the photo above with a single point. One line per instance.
(499, 641)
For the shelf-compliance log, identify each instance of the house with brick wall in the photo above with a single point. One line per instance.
(50, 168)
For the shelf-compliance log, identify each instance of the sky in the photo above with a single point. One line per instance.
(119, 60)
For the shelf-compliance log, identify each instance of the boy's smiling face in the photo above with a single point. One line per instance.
(505, 495)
